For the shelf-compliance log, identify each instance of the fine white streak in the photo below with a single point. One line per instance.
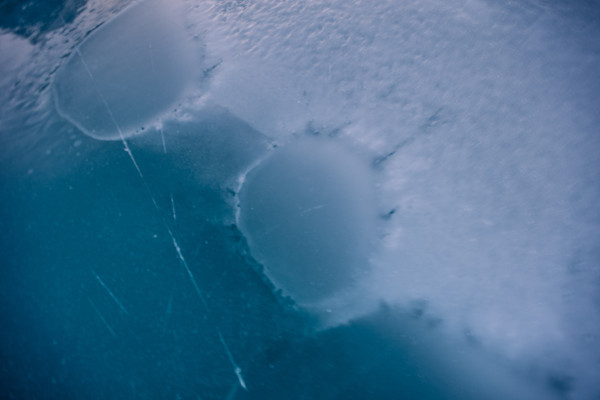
(237, 369)
(311, 209)
(110, 293)
(112, 117)
(185, 265)
(102, 318)
(173, 208)
(162, 137)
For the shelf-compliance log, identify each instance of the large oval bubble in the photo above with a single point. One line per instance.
(127, 72)
(308, 214)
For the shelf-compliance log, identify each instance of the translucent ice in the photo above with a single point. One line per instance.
(134, 67)
(308, 214)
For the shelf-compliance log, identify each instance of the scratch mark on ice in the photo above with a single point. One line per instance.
(173, 208)
(236, 368)
(102, 318)
(110, 293)
(311, 209)
(162, 138)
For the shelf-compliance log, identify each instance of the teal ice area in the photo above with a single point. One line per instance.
(128, 72)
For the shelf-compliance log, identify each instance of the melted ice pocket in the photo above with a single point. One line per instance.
(128, 72)
(308, 214)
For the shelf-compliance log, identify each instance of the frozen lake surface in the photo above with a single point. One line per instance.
(325, 200)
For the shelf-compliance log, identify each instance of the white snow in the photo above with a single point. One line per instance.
(482, 121)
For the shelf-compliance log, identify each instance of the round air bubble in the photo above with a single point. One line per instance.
(128, 72)
(308, 214)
